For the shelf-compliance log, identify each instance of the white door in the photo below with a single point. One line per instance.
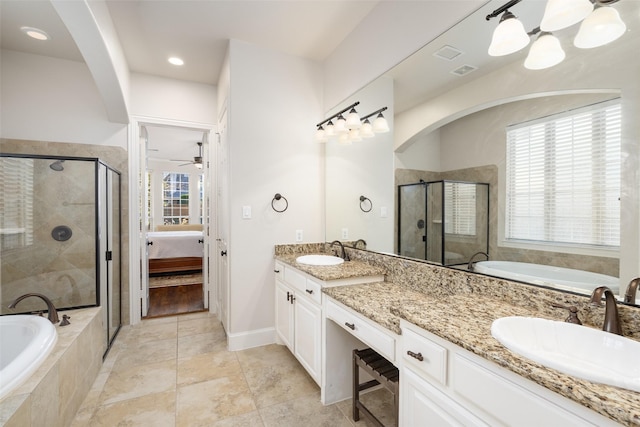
(222, 222)
(144, 222)
(206, 217)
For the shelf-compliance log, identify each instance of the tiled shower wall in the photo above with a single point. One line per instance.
(69, 201)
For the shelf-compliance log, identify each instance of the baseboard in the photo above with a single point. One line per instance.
(250, 339)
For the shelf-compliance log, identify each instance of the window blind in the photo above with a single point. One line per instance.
(460, 208)
(563, 177)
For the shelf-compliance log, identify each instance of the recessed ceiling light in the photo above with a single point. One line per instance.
(176, 61)
(35, 33)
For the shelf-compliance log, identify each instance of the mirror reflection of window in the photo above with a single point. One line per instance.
(563, 178)
(460, 208)
(16, 202)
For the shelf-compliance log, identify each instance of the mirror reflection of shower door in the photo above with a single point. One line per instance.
(411, 217)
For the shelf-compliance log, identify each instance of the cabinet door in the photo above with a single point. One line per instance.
(422, 404)
(284, 314)
(308, 326)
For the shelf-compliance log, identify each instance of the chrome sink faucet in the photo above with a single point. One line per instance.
(52, 312)
(611, 317)
(344, 255)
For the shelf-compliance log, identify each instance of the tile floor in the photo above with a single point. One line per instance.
(176, 371)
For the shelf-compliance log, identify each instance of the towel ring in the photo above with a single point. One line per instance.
(364, 199)
(279, 196)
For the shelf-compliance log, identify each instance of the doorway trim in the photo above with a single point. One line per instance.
(133, 146)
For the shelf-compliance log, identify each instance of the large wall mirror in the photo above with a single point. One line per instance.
(451, 109)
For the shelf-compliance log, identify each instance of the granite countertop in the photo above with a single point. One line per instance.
(346, 270)
(465, 320)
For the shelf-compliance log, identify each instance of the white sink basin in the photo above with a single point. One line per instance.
(576, 350)
(319, 260)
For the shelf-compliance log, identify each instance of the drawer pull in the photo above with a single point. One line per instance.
(351, 326)
(309, 291)
(276, 271)
(288, 295)
(415, 355)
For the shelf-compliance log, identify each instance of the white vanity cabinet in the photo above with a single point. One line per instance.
(299, 317)
(442, 384)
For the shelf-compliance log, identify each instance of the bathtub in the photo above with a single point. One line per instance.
(25, 342)
(556, 277)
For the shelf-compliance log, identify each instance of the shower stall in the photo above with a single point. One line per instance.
(60, 235)
(444, 222)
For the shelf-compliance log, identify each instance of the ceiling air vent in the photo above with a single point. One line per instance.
(447, 52)
(465, 69)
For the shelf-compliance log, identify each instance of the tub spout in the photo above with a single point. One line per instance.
(471, 262)
(53, 313)
(611, 317)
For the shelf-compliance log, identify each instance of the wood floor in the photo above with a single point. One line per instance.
(172, 300)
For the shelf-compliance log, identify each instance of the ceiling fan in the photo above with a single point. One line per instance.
(197, 160)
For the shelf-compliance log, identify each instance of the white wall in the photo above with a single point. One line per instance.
(159, 97)
(274, 104)
(48, 99)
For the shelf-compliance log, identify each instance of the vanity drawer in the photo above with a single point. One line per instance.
(363, 329)
(425, 355)
(313, 290)
(279, 271)
(295, 279)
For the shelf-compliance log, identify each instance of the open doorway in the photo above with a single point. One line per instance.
(174, 219)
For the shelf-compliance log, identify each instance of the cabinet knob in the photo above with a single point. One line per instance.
(351, 326)
(415, 355)
(309, 291)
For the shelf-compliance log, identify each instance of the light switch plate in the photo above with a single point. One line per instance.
(383, 212)
(345, 233)
(246, 212)
(298, 235)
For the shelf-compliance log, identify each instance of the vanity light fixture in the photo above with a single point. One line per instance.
(35, 33)
(600, 25)
(351, 130)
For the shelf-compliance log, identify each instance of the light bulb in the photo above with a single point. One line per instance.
(341, 124)
(545, 52)
(353, 120)
(366, 131)
(330, 129)
(343, 139)
(354, 135)
(380, 124)
(320, 134)
(559, 14)
(602, 26)
(508, 37)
